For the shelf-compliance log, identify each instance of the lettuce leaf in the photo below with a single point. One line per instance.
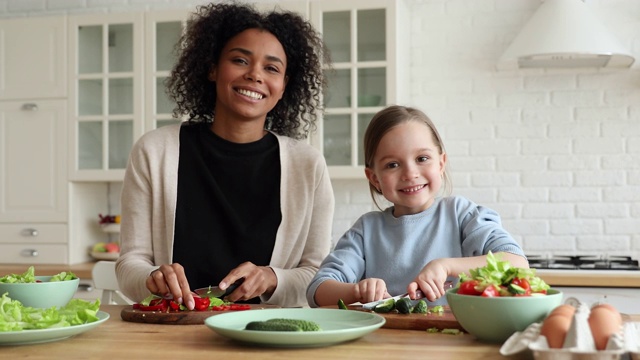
(29, 276)
(501, 273)
(16, 317)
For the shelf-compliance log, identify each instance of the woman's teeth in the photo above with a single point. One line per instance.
(251, 94)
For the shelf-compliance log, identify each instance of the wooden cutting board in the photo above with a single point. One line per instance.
(178, 317)
(395, 320)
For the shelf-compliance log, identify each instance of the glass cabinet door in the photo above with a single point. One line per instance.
(163, 31)
(106, 91)
(355, 33)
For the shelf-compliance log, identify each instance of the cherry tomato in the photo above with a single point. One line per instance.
(469, 288)
(490, 291)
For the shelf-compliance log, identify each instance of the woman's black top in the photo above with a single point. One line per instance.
(228, 206)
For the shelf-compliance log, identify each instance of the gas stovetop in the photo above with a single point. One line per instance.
(591, 262)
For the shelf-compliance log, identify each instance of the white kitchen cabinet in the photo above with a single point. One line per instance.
(33, 161)
(162, 33)
(33, 53)
(33, 243)
(105, 93)
(368, 43)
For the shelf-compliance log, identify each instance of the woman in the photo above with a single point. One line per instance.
(233, 193)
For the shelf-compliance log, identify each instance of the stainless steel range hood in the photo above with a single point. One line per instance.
(564, 34)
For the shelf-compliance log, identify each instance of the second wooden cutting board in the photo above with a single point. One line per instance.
(395, 320)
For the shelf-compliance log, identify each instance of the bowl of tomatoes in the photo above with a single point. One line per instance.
(497, 300)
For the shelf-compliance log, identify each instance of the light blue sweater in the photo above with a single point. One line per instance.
(395, 249)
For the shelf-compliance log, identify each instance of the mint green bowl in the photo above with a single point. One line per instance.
(496, 319)
(44, 294)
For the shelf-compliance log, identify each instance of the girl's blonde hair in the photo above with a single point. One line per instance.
(385, 120)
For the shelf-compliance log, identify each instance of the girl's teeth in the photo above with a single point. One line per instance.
(251, 94)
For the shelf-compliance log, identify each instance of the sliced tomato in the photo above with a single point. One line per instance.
(469, 288)
(201, 304)
(490, 291)
(239, 307)
(522, 283)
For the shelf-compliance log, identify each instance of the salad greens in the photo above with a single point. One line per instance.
(16, 317)
(502, 274)
(29, 276)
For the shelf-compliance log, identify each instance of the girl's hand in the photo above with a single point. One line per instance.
(430, 281)
(372, 289)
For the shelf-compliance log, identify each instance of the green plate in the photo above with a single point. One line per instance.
(25, 337)
(337, 326)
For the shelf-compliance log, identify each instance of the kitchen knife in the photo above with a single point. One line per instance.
(373, 304)
(215, 291)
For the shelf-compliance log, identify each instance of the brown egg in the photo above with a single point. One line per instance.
(604, 321)
(566, 310)
(556, 325)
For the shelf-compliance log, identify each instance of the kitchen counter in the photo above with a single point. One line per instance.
(83, 271)
(118, 339)
(591, 278)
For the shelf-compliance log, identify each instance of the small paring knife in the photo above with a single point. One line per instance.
(215, 291)
(373, 304)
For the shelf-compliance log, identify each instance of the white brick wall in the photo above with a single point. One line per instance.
(556, 152)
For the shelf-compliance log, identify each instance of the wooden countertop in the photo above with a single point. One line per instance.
(118, 339)
(83, 271)
(591, 278)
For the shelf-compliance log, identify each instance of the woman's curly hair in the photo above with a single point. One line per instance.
(209, 30)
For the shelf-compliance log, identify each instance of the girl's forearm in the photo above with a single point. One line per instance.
(330, 291)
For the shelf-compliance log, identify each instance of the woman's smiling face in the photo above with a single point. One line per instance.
(250, 75)
(407, 167)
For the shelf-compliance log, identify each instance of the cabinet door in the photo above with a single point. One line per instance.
(33, 161)
(33, 58)
(162, 33)
(362, 39)
(106, 93)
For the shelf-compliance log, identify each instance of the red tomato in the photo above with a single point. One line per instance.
(201, 304)
(490, 291)
(524, 284)
(469, 288)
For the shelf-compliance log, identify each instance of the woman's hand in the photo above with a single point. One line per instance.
(170, 280)
(258, 280)
(369, 290)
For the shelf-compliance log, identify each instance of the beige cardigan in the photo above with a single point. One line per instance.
(148, 203)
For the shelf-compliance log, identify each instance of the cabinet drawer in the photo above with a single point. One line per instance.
(32, 253)
(33, 234)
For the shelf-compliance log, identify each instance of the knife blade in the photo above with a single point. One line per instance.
(373, 304)
(215, 291)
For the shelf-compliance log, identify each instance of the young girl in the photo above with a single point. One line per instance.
(422, 239)
(232, 193)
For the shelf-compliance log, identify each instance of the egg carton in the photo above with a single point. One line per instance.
(579, 343)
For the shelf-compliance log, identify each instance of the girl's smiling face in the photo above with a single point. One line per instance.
(408, 167)
(250, 75)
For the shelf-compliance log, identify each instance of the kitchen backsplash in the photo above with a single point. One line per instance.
(556, 152)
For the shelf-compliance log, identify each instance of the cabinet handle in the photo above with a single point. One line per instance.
(29, 253)
(30, 107)
(30, 232)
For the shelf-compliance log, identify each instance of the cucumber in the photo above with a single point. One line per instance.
(403, 305)
(385, 306)
(305, 325)
(420, 308)
(271, 326)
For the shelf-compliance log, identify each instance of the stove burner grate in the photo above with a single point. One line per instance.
(568, 262)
